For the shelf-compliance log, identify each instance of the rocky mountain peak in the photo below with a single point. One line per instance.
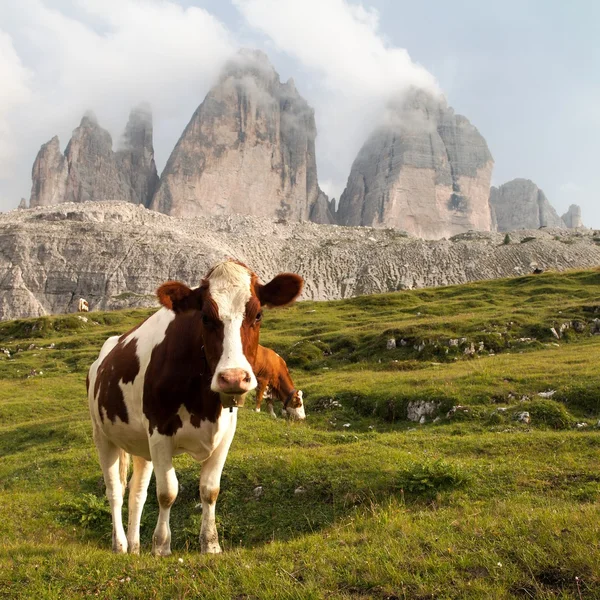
(248, 149)
(90, 170)
(425, 170)
(572, 218)
(521, 204)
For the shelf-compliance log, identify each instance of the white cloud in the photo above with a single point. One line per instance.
(356, 70)
(14, 92)
(104, 55)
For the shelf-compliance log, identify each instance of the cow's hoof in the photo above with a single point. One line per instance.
(161, 551)
(119, 546)
(134, 548)
(257, 410)
(211, 549)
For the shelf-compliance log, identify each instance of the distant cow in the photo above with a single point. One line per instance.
(272, 373)
(82, 305)
(163, 389)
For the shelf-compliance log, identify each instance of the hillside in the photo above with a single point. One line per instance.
(474, 505)
(116, 254)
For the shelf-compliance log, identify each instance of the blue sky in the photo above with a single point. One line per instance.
(526, 73)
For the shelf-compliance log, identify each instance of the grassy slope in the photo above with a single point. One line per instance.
(476, 506)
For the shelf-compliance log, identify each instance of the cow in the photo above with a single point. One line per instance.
(82, 305)
(273, 375)
(172, 385)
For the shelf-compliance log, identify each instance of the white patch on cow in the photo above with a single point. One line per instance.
(200, 442)
(229, 287)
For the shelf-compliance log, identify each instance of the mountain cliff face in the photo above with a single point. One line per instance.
(49, 175)
(572, 218)
(426, 171)
(520, 204)
(248, 149)
(116, 254)
(90, 170)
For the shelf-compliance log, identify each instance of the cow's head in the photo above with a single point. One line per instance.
(294, 408)
(230, 302)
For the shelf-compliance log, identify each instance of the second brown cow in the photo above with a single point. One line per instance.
(272, 373)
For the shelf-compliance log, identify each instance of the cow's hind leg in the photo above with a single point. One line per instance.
(210, 484)
(109, 455)
(161, 451)
(138, 491)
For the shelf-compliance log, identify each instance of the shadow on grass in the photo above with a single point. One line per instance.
(270, 500)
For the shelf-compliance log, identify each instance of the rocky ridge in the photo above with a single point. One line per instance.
(427, 170)
(248, 149)
(90, 170)
(116, 254)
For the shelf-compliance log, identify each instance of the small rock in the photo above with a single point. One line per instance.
(470, 350)
(523, 417)
(481, 347)
(299, 490)
(555, 333)
(502, 409)
(258, 491)
(403, 343)
(31, 347)
(422, 420)
(346, 425)
(391, 344)
(547, 394)
(595, 327)
(84, 319)
(579, 326)
(581, 425)
(180, 561)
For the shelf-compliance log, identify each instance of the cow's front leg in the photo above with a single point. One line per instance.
(210, 482)
(161, 451)
(260, 392)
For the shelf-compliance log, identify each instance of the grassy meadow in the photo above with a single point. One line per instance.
(357, 502)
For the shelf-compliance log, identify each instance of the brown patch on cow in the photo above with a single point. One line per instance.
(166, 500)
(179, 375)
(209, 495)
(87, 383)
(121, 364)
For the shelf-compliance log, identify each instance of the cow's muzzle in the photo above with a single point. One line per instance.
(234, 381)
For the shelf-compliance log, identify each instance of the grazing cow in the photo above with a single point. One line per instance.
(164, 389)
(83, 306)
(272, 372)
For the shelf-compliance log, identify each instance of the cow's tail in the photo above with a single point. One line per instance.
(123, 468)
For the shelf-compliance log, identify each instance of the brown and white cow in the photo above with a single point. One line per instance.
(171, 385)
(272, 373)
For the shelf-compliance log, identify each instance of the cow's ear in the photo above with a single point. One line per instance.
(281, 290)
(178, 297)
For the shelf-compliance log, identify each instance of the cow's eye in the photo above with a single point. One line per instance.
(259, 317)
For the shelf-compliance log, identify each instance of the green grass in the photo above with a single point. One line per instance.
(474, 505)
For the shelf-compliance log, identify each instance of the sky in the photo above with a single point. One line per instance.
(526, 73)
